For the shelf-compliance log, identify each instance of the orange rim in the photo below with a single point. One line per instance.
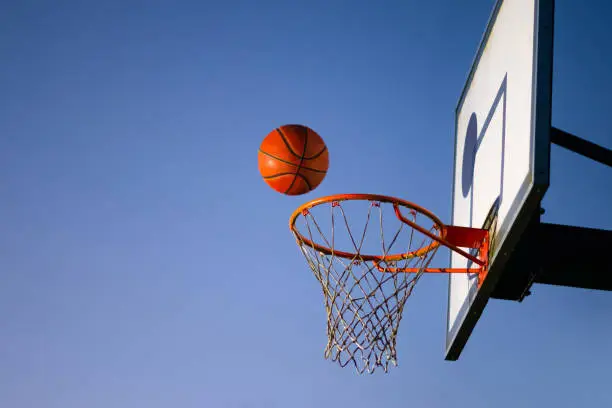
(305, 208)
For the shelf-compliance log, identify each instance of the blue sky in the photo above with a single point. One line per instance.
(144, 261)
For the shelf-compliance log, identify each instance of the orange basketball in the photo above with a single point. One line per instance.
(293, 159)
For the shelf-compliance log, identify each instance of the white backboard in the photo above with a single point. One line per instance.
(502, 147)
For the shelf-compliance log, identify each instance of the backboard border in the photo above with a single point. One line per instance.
(540, 160)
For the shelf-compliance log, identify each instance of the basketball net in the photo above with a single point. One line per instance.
(364, 298)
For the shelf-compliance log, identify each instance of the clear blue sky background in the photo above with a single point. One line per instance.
(144, 263)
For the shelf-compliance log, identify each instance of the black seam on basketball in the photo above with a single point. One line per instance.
(291, 164)
(278, 158)
(296, 175)
(292, 183)
(313, 170)
(318, 154)
(301, 161)
(305, 180)
(273, 176)
(282, 135)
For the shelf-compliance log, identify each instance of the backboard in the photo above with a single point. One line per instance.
(502, 149)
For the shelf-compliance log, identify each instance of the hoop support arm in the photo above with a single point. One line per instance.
(581, 146)
(453, 237)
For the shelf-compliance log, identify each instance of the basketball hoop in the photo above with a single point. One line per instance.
(366, 279)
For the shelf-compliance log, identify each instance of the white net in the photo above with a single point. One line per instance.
(364, 293)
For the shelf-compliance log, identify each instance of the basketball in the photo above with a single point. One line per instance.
(293, 159)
